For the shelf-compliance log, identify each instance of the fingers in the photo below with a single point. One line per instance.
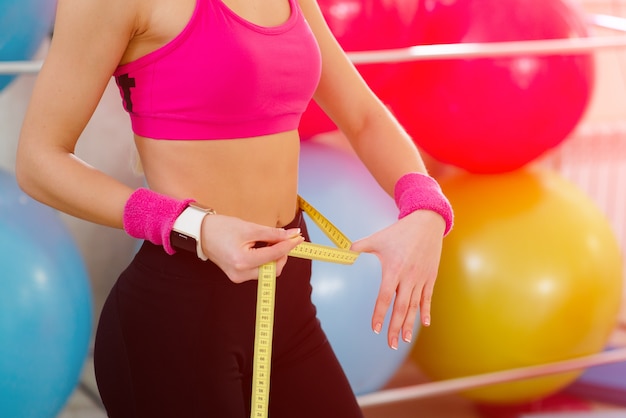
(404, 309)
(275, 250)
(253, 273)
(248, 270)
(380, 309)
(407, 311)
(406, 299)
(426, 302)
(233, 245)
(361, 246)
(280, 264)
(275, 235)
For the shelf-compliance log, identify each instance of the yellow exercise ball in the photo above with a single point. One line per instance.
(530, 274)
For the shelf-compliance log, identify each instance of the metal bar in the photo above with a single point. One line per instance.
(448, 386)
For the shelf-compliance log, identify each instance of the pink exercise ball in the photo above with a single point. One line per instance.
(493, 114)
(364, 25)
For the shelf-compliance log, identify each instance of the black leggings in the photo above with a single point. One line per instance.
(175, 339)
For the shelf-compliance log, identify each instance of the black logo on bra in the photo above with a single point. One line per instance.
(126, 83)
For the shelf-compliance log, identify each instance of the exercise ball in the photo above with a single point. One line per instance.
(364, 25)
(530, 274)
(45, 307)
(494, 114)
(337, 184)
(24, 25)
(314, 122)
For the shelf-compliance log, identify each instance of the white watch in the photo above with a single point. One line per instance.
(185, 233)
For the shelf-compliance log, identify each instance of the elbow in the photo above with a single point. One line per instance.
(21, 176)
(25, 171)
(21, 169)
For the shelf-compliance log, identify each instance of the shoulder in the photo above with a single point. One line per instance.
(83, 24)
(120, 15)
(310, 9)
(95, 32)
(316, 20)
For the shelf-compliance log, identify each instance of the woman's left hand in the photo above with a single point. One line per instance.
(409, 251)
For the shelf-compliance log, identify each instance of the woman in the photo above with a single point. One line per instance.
(215, 90)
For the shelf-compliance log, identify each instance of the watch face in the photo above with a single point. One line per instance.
(182, 242)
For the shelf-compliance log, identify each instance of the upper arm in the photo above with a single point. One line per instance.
(379, 140)
(90, 37)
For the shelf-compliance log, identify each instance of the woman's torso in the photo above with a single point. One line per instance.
(253, 178)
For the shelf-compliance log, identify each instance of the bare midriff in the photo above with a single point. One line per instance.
(255, 179)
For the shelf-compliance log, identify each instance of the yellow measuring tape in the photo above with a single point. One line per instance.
(264, 327)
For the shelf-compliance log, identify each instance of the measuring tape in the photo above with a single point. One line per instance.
(266, 293)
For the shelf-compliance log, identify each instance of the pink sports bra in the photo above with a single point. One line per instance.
(223, 77)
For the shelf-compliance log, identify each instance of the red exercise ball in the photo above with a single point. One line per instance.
(491, 115)
(363, 25)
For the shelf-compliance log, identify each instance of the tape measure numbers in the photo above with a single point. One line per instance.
(264, 329)
(266, 291)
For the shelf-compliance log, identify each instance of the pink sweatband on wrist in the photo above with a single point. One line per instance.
(416, 191)
(149, 215)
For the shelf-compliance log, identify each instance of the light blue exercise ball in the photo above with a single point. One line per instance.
(24, 24)
(336, 183)
(45, 307)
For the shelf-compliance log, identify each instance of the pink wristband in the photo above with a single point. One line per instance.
(149, 215)
(415, 191)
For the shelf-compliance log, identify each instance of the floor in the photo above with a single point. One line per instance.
(86, 404)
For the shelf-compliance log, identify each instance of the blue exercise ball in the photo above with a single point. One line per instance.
(24, 24)
(45, 307)
(337, 184)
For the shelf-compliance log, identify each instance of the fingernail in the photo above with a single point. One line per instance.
(394, 343)
(408, 336)
(427, 321)
(378, 327)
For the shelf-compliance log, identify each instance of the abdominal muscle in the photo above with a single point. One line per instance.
(255, 179)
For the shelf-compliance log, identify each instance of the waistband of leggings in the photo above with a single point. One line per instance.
(186, 263)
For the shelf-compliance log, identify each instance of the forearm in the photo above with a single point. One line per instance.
(385, 148)
(59, 179)
(393, 159)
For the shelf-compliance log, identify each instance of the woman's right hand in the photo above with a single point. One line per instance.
(233, 245)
